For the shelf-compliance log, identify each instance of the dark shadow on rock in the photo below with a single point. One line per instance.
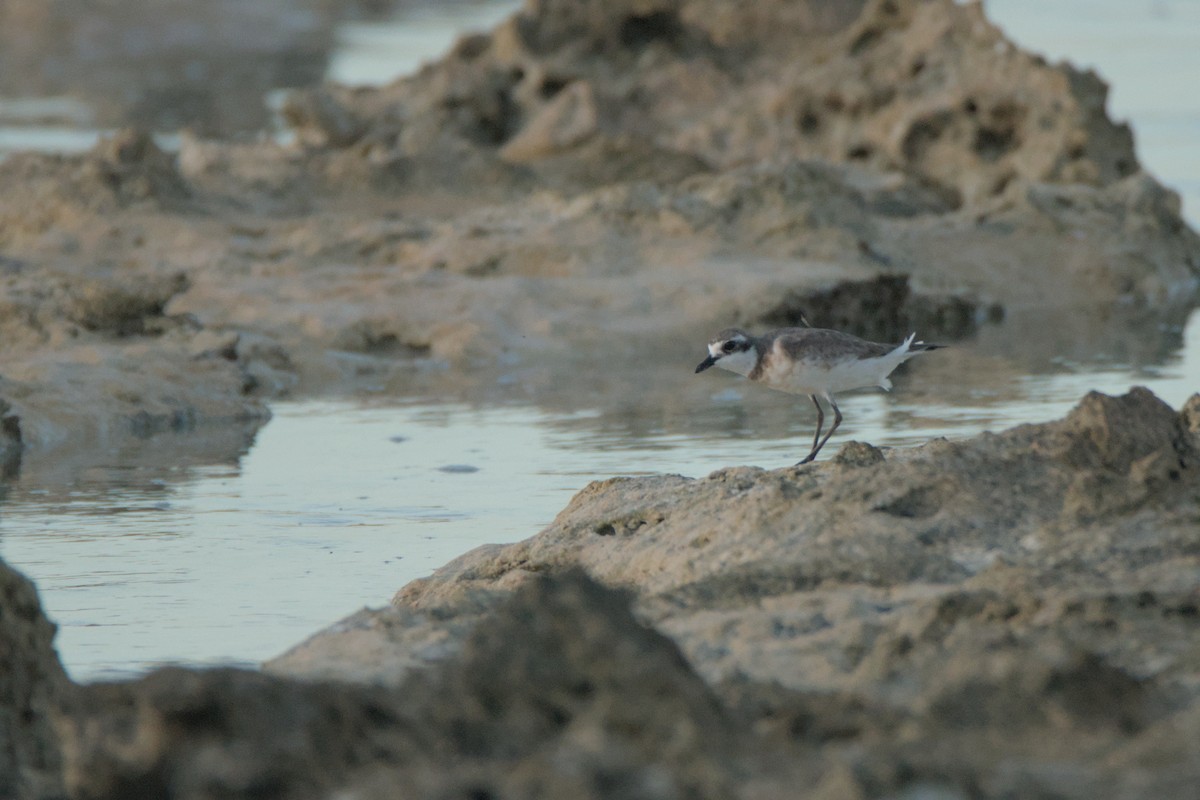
(883, 309)
(558, 692)
(32, 684)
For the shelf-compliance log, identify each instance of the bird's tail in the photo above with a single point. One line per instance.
(911, 346)
(903, 352)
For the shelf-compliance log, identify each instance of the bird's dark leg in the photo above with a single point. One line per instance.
(816, 436)
(837, 420)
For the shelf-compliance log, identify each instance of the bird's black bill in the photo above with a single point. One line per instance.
(705, 364)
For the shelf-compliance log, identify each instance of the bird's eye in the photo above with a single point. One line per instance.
(729, 346)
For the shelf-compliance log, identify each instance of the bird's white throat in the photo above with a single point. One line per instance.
(741, 362)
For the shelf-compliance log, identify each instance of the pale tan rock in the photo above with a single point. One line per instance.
(591, 170)
(567, 120)
(948, 616)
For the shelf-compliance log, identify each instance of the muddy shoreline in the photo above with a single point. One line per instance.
(1008, 615)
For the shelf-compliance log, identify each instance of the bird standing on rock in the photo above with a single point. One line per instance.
(812, 361)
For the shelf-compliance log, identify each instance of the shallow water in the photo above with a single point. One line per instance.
(371, 53)
(230, 546)
(339, 503)
(362, 53)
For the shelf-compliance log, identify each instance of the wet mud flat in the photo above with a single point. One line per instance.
(1008, 615)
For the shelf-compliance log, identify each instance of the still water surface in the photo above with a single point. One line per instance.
(336, 504)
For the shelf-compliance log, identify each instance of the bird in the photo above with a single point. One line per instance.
(814, 361)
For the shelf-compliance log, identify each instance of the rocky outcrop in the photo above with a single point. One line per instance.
(32, 683)
(913, 139)
(1009, 615)
(942, 513)
(590, 169)
(878, 624)
(960, 615)
(925, 87)
(561, 694)
(976, 618)
(92, 353)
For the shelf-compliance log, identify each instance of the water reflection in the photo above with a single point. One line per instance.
(631, 389)
(138, 470)
(989, 383)
(71, 71)
(165, 65)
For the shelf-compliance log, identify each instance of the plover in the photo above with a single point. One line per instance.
(812, 361)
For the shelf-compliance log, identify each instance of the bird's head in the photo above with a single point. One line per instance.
(733, 349)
